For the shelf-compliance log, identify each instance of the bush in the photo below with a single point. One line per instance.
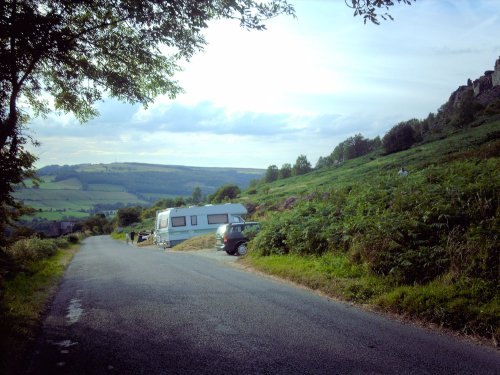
(62, 243)
(413, 230)
(31, 249)
(73, 239)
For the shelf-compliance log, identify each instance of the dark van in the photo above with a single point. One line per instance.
(232, 239)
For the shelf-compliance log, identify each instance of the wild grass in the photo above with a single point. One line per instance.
(331, 274)
(39, 266)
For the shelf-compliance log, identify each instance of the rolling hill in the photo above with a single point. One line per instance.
(77, 190)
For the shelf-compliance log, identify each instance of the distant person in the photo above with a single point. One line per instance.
(127, 237)
(403, 172)
(132, 235)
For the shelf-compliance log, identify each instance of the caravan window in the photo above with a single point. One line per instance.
(194, 220)
(163, 222)
(179, 221)
(217, 219)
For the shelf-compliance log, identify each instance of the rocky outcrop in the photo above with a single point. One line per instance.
(495, 78)
(458, 96)
(486, 89)
(489, 96)
(483, 83)
(490, 79)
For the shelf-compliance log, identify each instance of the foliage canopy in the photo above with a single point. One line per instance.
(78, 51)
(369, 9)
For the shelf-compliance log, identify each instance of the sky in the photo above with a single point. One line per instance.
(258, 98)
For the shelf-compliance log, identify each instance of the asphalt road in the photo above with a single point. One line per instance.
(127, 310)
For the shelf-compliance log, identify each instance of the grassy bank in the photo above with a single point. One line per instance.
(206, 241)
(38, 266)
(468, 306)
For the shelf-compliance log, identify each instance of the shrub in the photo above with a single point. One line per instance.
(62, 243)
(28, 250)
(73, 238)
(413, 230)
(272, 237)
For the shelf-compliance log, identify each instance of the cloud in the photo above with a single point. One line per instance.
(301, 87)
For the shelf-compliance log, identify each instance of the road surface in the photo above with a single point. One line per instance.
(127, 310)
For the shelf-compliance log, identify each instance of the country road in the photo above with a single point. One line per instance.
(127, 310)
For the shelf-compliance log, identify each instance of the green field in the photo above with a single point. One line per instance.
(75, 191)
(56, 204)
(105, 187)
(69, 184)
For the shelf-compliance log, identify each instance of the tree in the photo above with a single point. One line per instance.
(324, 162)
(128, 215)
(197, 196)
(400, 137)
(285, 171)
(356, 146)
(226, 192)
(97, 224)
(338, 154)
(16, 164)
(368, 9)
(301, 166)
(272, 173)
(179, 202)
(376, 143)
(78, 51)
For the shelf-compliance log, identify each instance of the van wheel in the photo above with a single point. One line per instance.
(241, 249)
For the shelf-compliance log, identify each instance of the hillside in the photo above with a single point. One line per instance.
(425, 245)
(461, 144)
(74, 191)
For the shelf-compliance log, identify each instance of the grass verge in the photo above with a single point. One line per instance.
(24, 299)
(468, 306)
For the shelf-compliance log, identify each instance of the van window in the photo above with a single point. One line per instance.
(217, 219)
(179, 221)
(194, 220)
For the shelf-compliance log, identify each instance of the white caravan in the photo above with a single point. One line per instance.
(174, 225)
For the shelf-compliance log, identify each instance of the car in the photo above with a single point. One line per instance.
(233, 237)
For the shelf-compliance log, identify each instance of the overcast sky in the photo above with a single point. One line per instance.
(253, 99)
